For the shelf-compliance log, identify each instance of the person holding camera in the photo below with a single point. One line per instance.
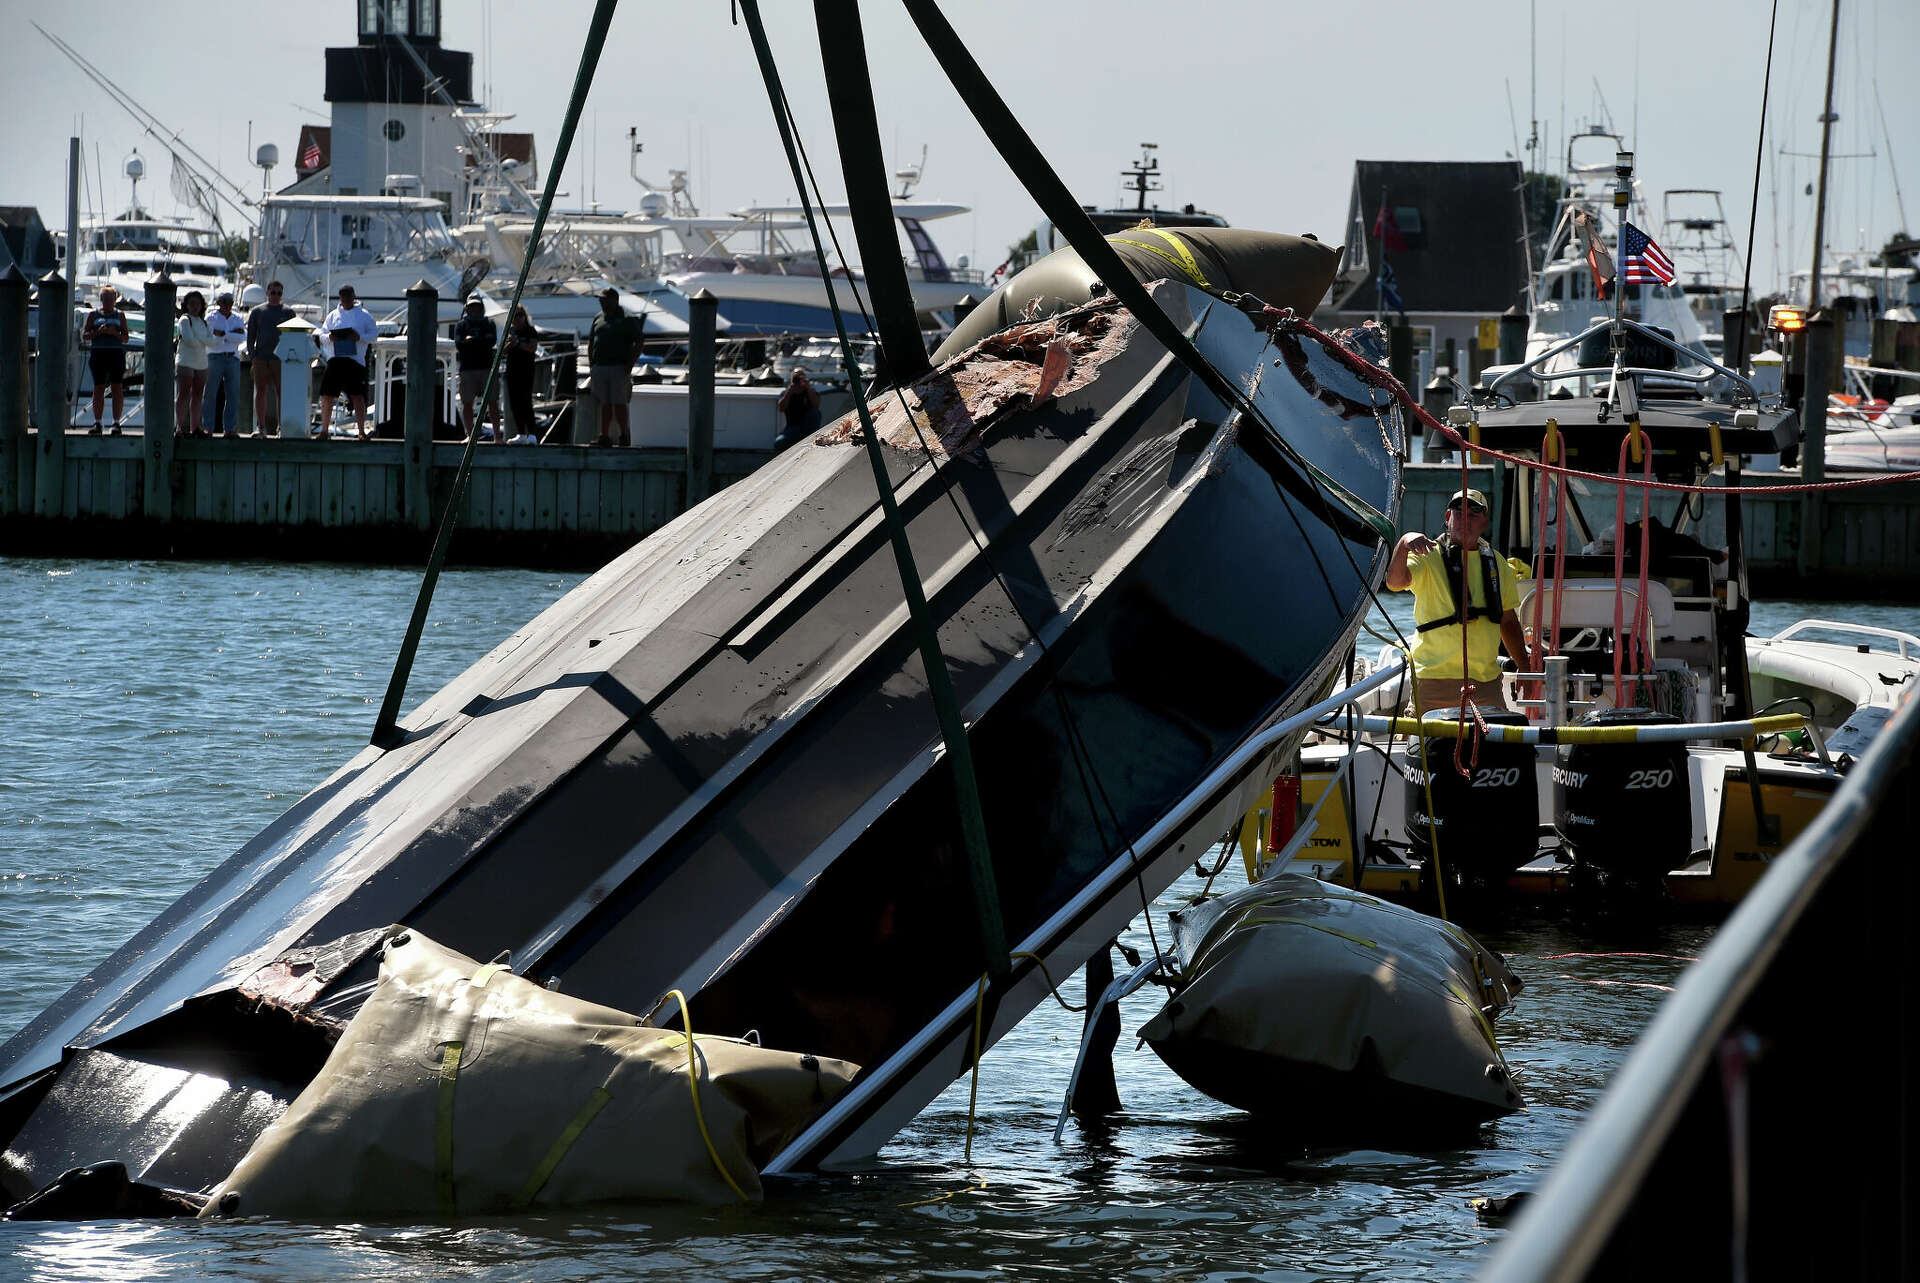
(352, 330)
(800, 403)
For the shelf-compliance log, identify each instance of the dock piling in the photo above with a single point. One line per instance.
(1513, 336)
(703, 312)
(15, 394)
(1821, 340)
(159, 387)
(423, 306)
(50, 409)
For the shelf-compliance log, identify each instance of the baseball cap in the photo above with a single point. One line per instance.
(611, 293)
(224, 296)
(1473, 497)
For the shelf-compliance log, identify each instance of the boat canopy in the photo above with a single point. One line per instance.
(353, 230)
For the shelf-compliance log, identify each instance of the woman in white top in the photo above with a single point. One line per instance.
(191, 369)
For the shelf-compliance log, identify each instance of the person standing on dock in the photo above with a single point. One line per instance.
(523, 350)
(1432, 569)
(474, 339)
(613, 344)
(352, 331)
(263, 346)
(106, 334)
(191, 363)
(223, 366)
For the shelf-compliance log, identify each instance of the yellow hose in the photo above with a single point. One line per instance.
(693, 1085)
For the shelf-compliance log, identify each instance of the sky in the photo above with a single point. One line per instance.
(1259, 108)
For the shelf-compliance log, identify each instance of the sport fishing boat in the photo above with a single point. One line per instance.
(713, 767)
(1567, 290)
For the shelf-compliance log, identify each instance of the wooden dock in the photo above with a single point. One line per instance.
(577, 506)
(291, 499)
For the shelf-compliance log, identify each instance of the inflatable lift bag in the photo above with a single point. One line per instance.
(1286, 271)
(548, 1101)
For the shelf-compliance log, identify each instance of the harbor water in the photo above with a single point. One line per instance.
(159, 714)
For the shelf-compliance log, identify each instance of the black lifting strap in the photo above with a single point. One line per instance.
(1349, 514)
(843, 55)
(1452, 554)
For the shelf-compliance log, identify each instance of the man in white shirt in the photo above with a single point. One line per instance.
(223, 364)
(352, 331)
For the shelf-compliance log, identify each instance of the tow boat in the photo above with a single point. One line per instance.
(1661, 754)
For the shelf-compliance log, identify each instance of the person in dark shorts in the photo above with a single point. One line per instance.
(352, 330)
(474, 339)
(106, 334)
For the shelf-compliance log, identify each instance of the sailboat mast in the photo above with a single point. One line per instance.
(1826, 142)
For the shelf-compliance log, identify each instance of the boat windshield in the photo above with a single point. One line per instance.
(145, 235)
(353, 236)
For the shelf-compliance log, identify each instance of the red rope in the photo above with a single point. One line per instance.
(1632, 648)
(1283, 320)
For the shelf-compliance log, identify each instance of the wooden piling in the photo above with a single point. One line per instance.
(159, 385)
(1822, 341)
(703, 312)
(423, 386)
(15, 385)
(1400, 353)
(51, 411)
(1513, 336)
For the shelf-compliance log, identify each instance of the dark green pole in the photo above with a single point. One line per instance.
(158, 382)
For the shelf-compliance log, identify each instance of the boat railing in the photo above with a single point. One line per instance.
(1908, 644)
(1789, 1043)
(1531, 367)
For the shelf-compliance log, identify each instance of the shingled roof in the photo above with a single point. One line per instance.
(1462, 222)
(25, 242)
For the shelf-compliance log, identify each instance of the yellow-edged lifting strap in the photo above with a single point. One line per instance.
(1637, 441)
(443, 1128)
(561, 1144)
(1713, 442)
(1181, 257)
(1551, 449)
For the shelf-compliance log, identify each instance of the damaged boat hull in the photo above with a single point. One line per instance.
(714, 765)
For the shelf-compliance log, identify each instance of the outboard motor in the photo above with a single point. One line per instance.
(1624, 811)
(1488, 820)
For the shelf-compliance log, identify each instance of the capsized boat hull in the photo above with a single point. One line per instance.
(714, 765)
(1336, 1014)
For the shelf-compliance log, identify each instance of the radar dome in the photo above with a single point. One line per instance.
(266, 156)
(135, 167)
(653, 204)
(253, 295)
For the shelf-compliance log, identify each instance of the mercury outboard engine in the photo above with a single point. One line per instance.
(1488, 820)
(1624, 811)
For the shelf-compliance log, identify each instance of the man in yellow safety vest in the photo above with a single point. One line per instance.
(1432, 569)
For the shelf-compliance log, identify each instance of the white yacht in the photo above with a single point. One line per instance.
(768, 285)
(1565, 299)
(128, 251)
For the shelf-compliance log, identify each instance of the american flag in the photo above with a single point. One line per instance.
(310, 158)
(1645, 261)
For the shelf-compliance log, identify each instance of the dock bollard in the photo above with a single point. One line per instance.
(15, 388)
(50, 409)
(423, 387)
(158, 385)
(703, 312)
